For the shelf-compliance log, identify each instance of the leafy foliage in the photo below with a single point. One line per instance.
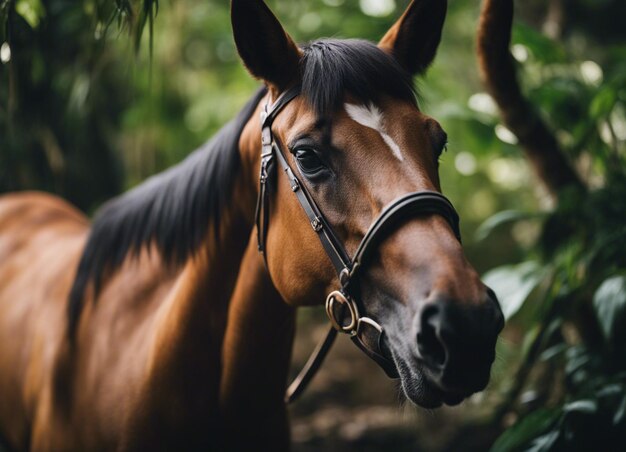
(583, 248)
(580, 261)
(100, 94)
(513, 284)
(62, 94)
(609, 302)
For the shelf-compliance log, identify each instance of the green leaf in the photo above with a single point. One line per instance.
(545, 442)
(577, 359)
(552, 352)
(526, 429)
(504, 217)
(609, 303)
(513, 284)
(603, 102)
(621, 411)
(581, 406)
(31, 10)
(148, 12)
(4, 18)
(543, 48)
(530, 337)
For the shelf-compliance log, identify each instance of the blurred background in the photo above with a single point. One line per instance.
(96, 95)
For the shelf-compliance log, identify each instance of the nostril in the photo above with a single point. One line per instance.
(430, 348)
(429, 345)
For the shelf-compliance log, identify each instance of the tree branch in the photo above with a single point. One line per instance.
(498, 74)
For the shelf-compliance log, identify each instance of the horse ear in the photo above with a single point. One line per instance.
(265, 48)
(414, 38)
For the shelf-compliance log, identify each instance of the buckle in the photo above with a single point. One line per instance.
(317, 224)
(263, 173)
(266, 136)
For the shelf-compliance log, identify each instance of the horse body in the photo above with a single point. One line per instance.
(161, 326)
(144, 367)
(43, 409)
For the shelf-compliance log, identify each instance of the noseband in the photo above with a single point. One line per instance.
(344, 306)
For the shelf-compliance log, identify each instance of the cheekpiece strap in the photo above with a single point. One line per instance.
(268, 115)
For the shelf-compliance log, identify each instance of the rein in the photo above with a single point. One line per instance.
(364, 331)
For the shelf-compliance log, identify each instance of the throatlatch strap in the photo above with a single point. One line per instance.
(300, 383)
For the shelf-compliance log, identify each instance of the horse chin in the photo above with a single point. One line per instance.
(420, 391)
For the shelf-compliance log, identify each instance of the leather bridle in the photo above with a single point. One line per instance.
(364, 331)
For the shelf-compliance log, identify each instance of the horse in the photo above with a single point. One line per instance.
(161, 326)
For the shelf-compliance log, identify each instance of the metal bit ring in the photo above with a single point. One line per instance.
(338, 296)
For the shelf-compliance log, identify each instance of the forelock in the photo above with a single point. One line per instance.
(332, 68)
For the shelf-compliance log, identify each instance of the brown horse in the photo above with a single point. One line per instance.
(177, 335)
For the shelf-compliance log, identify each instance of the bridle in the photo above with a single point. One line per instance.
(364, 331)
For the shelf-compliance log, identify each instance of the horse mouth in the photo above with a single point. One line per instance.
(421, 391)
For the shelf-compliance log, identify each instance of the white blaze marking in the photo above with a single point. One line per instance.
(371, 116)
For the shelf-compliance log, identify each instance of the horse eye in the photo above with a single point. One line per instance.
(308, 161)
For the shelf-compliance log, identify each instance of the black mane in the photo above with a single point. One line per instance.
(174, 209)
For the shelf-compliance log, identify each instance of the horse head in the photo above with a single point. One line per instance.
(353, 140)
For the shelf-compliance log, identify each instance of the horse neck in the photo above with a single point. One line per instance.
(201, 298)
(224, 337)
(256, 356)
(185, 355)
(186, 352)
(256, 349)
